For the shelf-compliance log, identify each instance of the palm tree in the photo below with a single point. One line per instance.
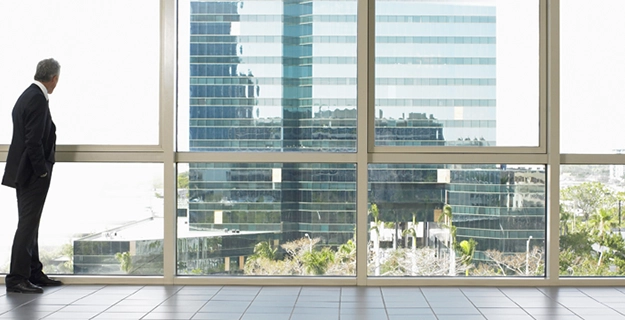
(467, 249)
(565, 216)
(603, 221)
(125, 260)
(412, 231)
(375, 236)
(264, 250)
(316, 262)
(446, 219)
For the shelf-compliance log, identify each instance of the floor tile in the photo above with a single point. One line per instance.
(217, 316)
(119, 316)
(168, 316)
(314, 317)
(118, 302)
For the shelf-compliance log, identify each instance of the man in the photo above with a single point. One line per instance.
(29, 169)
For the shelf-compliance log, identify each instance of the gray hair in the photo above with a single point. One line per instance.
(47, 69)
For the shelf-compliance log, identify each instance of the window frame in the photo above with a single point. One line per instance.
(547, 153)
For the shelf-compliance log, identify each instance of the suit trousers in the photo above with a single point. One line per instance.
(25, 263)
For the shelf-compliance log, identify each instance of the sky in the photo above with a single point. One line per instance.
(109, 66)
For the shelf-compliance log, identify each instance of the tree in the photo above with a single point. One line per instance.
(515, 264)
(374, 232)
(300, 259)
(412, 231)
(446, 219)
(588, 197)
(125, 261)
(467, 250)
(602, 221)
(399, 263)
(344, 262)
(316, 262)
(566, 218)
(183, 180)
(264, 250)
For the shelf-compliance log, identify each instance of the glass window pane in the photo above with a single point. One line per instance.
(267, 219)
(591, 213)
(267, 76)
(591, 92)
(456, 220)
(98, 219)
(457, 73)
(109, 56)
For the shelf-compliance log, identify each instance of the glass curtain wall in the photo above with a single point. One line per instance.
(592, 183)
(280, 77)
(306, 143)
(104, 213)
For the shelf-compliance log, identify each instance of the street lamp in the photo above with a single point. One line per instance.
(527, 256)
(309, 239)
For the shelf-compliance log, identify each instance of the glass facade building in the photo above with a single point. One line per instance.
(280, 76)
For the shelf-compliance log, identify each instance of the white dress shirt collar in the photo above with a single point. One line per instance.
(43, 89)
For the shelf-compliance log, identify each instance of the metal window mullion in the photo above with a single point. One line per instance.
(167, 108)
(365, 129)
(552, 8)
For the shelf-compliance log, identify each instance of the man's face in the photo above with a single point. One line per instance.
(53, 83)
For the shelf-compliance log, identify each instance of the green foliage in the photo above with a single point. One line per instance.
(51, 259)
(375, 213)
(125, 260)
(316, 262)
(598, 207)
(412, 230)
(346, 251)
(575, 242)
(264, 250)
(467, 249)
(183, 180)
(602, 222)
(588, 197)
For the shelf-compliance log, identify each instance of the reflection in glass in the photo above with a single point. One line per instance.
(266, 219)
(269, 76)
(591, 219)
(447, 73)
(99, 219)
(453, 220)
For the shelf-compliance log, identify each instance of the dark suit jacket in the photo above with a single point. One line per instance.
(31, 153)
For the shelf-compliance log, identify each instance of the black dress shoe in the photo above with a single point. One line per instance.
(44, 281)
(25, 287)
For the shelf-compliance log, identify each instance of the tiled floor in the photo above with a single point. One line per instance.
(324, 303)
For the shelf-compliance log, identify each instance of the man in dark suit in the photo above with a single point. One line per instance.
(29, 169)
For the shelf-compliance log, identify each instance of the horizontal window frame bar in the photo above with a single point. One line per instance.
(124, 154)
(345, 281)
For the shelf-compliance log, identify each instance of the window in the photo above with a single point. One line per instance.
(591, 94)
(104, 88)
(289, 219)
(591, 209)
(99, 219)
(285, 103)
(453, 220)
(490, 49)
